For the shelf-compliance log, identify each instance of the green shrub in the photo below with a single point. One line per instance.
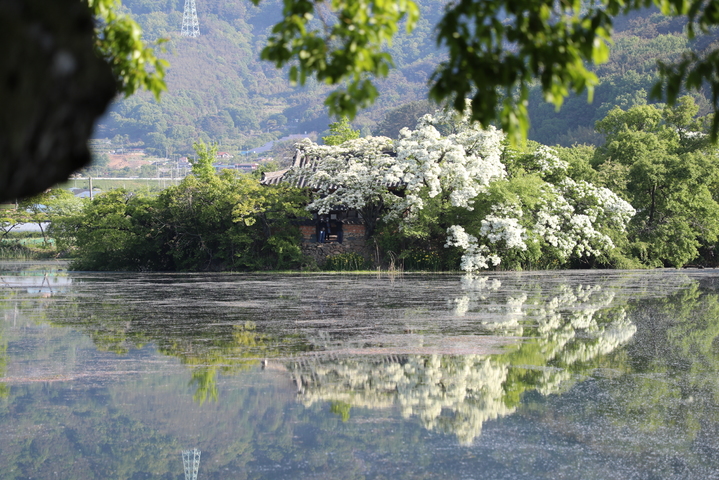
(421, 260)
(16, 251)
(344, 262)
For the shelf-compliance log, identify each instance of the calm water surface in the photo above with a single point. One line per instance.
(571, 374)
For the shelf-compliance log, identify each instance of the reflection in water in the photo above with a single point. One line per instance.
(19, 287)
(191, 462)
(522, 376)
(37, 282)
(453, 394)
(570, 326)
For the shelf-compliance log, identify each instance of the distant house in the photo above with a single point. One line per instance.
(247, 167)
(244, 168)
(219, 167)
(223, 155)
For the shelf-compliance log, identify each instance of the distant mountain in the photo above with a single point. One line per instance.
(219, 90)
(640, 40)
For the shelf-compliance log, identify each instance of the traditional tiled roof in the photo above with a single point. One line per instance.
(273, 178)
(300, 161)
(303, 161)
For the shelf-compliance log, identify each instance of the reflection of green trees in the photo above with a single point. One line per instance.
(675, 363)
(209, 345)
(222, 347)
(4, 389)
(206, 384)
(341, 409)
(241, 354)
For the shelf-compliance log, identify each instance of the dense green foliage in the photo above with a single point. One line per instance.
(39, 210)
(401, 117)
(340, 132)
(207, 222)
(664, 165)
(646, 197)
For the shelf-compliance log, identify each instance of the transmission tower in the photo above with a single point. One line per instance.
(190, 24)
(191, 460)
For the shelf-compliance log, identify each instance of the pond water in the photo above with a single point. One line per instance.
(568, 374)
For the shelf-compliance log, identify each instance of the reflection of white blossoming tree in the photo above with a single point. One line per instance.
(566, 328)
(455, 186)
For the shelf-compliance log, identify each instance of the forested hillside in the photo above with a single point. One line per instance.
(219, 90)
(641, 39)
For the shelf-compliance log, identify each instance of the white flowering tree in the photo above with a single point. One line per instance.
(541, 217)
(394, 181)
(445, 184)
(459, 166)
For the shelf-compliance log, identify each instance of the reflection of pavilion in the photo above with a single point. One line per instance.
(191, 461)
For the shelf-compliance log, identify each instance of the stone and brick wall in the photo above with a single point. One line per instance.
(309, 233)
(352, 241)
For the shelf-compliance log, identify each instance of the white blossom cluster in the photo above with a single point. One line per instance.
(502, 226)
(571, 218)
(555, 315)
(351, 174)
(358, 172)
(476, 256)
(599, 203)
(462, 164)
(570, 215)
(547, 161)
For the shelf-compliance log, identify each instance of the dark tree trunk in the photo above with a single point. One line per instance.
(53, 87)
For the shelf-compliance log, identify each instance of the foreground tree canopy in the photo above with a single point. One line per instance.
(497, 49)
